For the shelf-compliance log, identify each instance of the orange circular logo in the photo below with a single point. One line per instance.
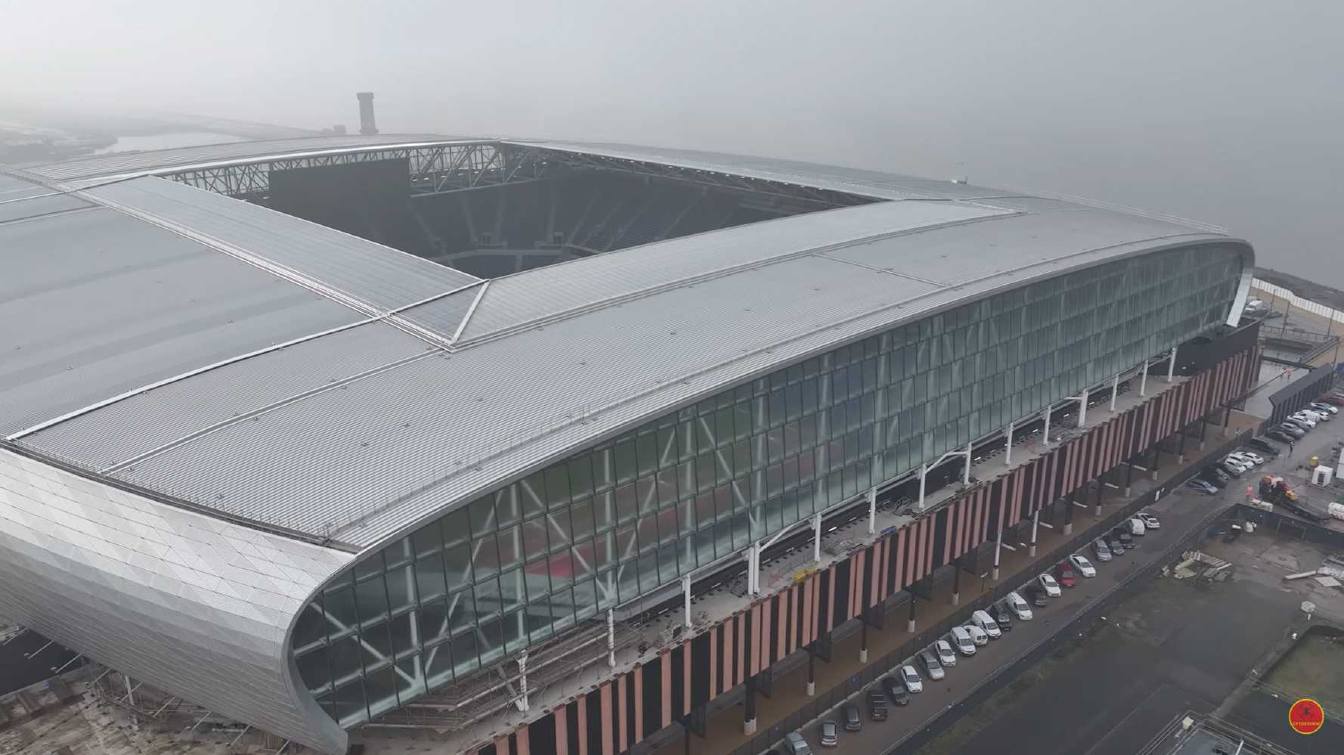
(1306, 716)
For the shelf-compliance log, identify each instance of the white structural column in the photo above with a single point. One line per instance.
(523, 704)
(1115, 389)
(686, 597)
(872, 511)
(1082, 410)
(1008, 446)
(1035, 522)
(816, 538)
(923, 473)
(1143, 379)
(1045, 437)
(966, 473)
(1171, 365)
(611, 638)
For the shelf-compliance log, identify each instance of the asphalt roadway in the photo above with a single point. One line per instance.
(17, 670)
(907, 727)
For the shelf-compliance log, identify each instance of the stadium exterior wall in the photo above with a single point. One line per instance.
(688, 489)
(193, 605)
(664, 689)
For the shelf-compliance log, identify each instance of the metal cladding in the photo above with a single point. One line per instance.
(215, 383)
(193, 605)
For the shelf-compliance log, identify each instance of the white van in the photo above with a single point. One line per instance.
(961, 640)
(978, 635)
(1136, 527)
(986, 623)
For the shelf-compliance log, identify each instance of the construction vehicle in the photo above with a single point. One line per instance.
(1275, 489)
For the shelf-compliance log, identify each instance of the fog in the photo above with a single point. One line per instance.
(1227, 111)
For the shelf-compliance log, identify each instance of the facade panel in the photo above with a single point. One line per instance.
(696, 486)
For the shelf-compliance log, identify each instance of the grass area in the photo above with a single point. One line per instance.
(1313, 668)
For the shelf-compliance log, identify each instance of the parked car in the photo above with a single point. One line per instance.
(853, 720)
(961, 640)
(1252, 455)
(1217, 475)
(1317, 415)
(1279, 434)
(946, 655)
(1036, 594)
(1003, 617)
(978, 635)
(794, 744)
(1124, 536)
(1245, 458)
(1293, 430)
(931, 665)
(829, 734)
(1333, 399)
(986, 623)
(1101, 550)
(1083, 566)
(1234, 467)
(1321, 406)
(1150, 521)
(1018, 606)
(1263, 447)
(1065, 575)
(1136, 526)
(1050, 586)
(896, 691)
(910, 678)
(877, 705)
(1302, 420)
(1117, 547)
(1203, 486)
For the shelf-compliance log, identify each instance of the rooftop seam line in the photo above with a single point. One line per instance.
(730, 270)
(276, 269)
(182, 376)
(884, 271)
(389, 314)
(263, 410)
(461, 326)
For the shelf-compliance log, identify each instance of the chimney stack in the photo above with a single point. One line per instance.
(366, 125)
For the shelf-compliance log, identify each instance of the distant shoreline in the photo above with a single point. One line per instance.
(1307, 289)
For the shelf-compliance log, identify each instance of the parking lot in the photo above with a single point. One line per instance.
(1178, 513)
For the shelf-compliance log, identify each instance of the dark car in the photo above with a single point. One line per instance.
(896, 691)
(850, 715)
(1218, 473)
(1279, 435)
(1293, 429)
(1002, 616)
(1125, 537)
(1117, 548)
(1263, 446)
(1037, 596)
(877, 706)
(1212, 479)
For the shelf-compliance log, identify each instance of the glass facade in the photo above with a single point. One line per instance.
(689, 488)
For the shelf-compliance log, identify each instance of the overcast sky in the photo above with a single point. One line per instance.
(1227, 111)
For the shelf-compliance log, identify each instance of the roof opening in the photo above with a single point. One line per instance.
(492, 209)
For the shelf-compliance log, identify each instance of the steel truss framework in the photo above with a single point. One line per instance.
(459, 166)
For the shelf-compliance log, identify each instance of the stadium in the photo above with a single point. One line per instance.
(333, 433)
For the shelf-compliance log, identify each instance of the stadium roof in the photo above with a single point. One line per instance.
(283, 373)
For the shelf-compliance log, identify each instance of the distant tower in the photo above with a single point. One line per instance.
(366, 125)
